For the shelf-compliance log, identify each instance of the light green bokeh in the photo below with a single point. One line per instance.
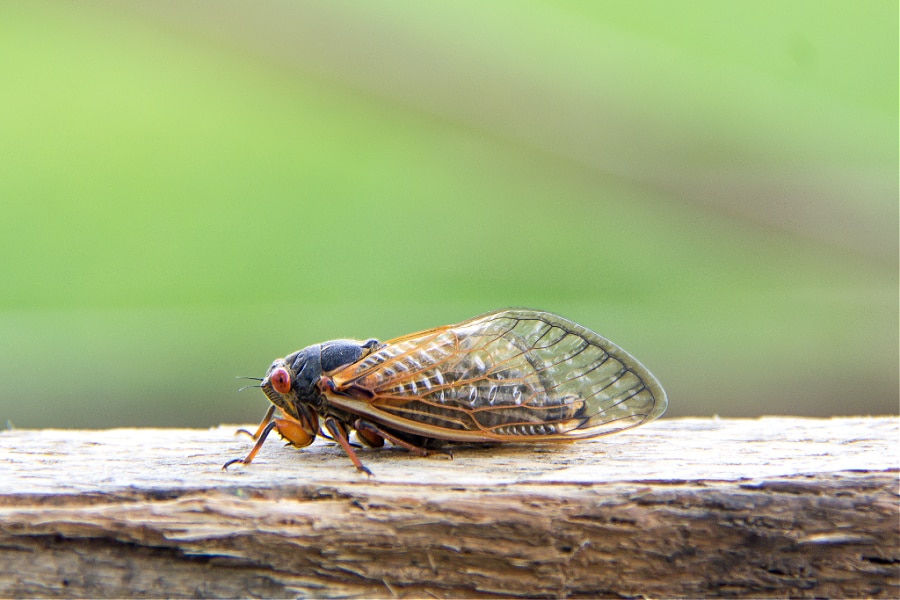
(187, 195)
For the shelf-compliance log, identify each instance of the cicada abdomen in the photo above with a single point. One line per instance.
(508, 375)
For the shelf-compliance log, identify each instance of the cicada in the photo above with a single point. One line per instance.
(512, 375)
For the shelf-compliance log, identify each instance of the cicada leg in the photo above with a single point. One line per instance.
(262, 424)
(339, 433)
(368, 430)
(259, 442)
(289, 428)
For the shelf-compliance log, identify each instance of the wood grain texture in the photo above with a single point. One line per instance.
(683, 507)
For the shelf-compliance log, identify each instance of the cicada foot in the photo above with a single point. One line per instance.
(259, 442)
(291, 430)
(441, 452)
(339, 433)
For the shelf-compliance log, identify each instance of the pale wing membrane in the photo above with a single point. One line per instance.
(512, 374)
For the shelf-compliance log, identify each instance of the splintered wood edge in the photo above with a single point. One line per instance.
(823, 535)
(694, 507)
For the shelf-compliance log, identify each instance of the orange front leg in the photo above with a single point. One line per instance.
(289, 428)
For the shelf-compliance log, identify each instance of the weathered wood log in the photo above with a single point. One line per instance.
(770, 507)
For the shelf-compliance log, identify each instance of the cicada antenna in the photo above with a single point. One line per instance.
(249, 386)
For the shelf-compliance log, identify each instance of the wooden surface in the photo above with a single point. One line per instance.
(681, 507)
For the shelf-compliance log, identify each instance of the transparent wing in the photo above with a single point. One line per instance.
(507, 375)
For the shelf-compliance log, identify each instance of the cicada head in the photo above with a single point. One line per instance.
(289, 384)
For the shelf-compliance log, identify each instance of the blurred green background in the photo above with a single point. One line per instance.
(191, 189)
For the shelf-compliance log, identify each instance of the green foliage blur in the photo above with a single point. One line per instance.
(190, 190)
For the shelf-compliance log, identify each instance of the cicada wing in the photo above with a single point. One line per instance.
(506, 375)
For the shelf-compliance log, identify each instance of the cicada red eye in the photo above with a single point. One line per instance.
(281, 380)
